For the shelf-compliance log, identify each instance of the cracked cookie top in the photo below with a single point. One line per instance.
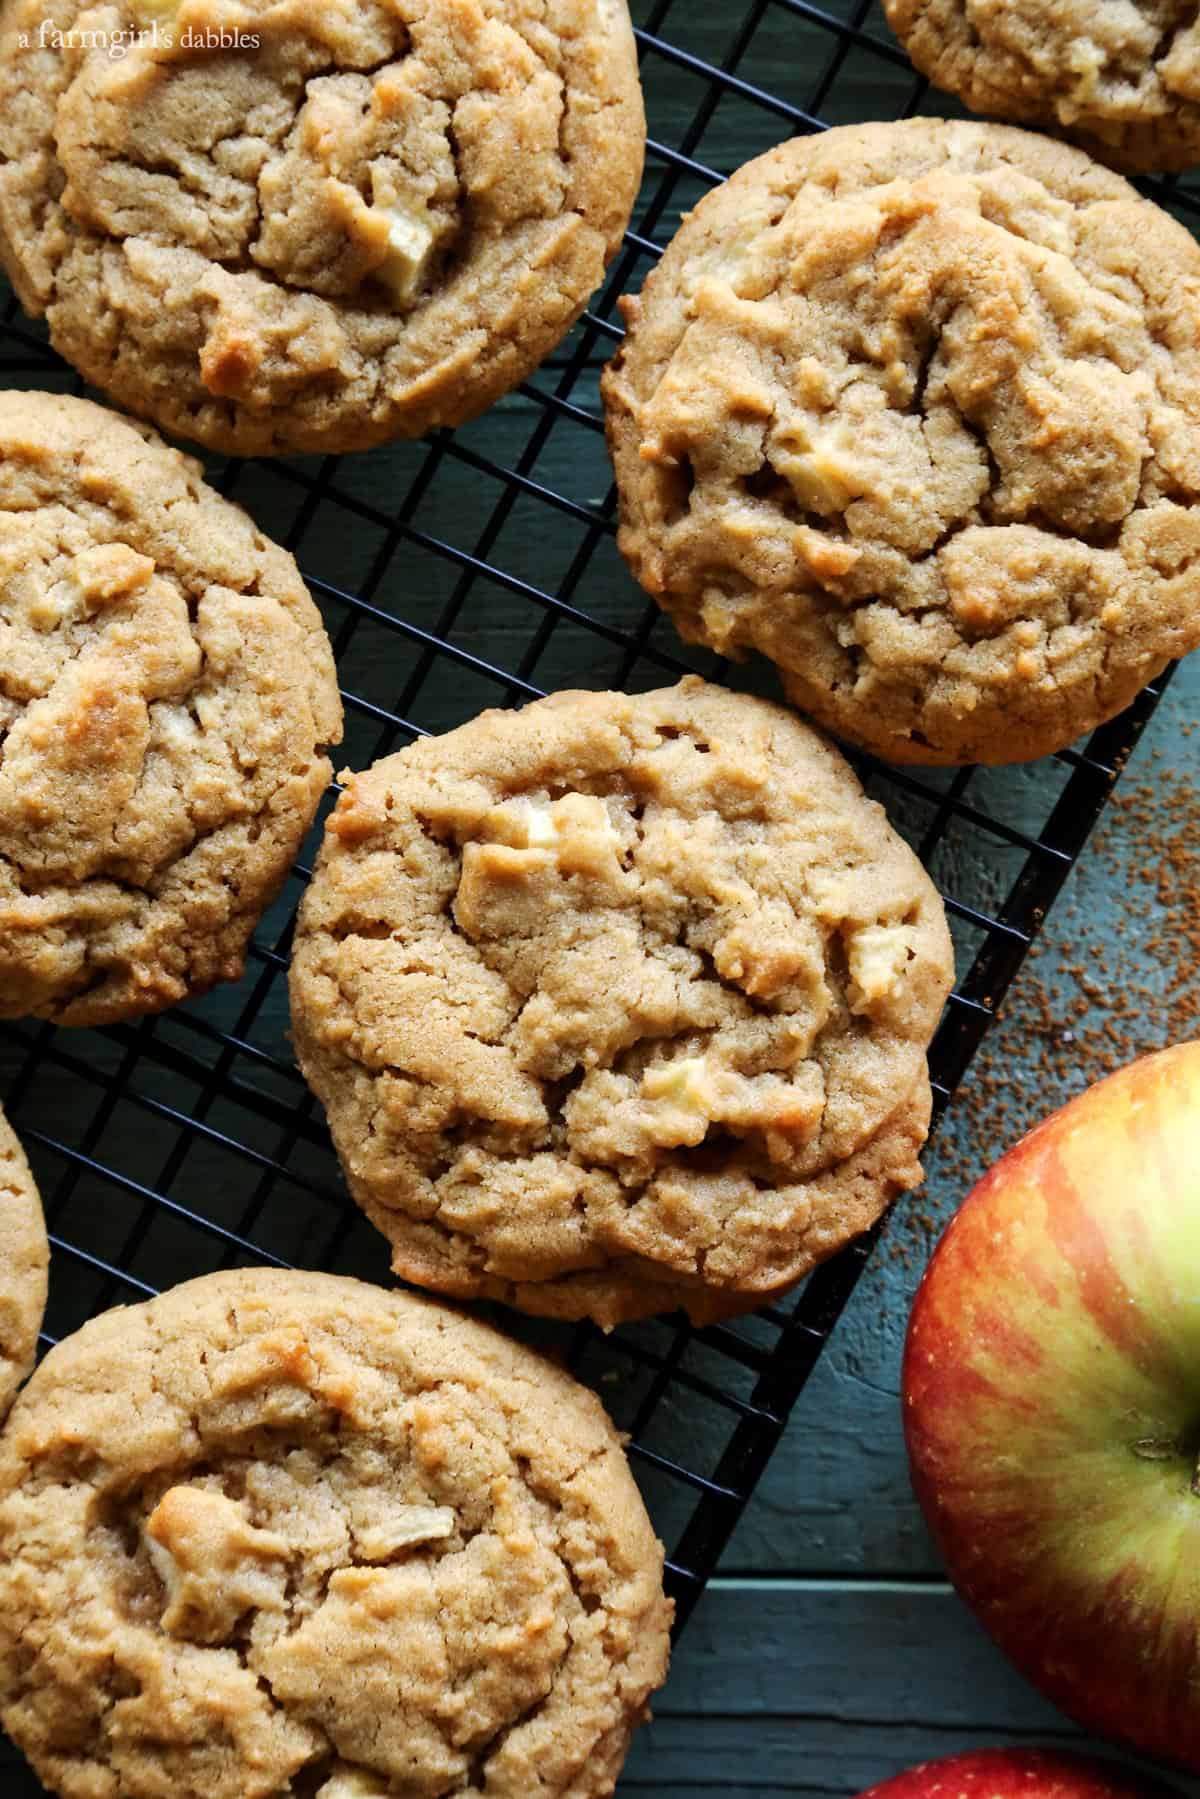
(280, 1533)
(280, 225)
(1123, 80)
(914, 409)
(166, 693)
(616, 1004)
(24, 1256)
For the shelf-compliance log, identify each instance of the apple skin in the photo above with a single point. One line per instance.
(1051, 1391)
(1020, 1774)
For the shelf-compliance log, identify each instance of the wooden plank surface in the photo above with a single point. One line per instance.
(822, 1688)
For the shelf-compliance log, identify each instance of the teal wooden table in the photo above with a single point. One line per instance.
(829, 1651)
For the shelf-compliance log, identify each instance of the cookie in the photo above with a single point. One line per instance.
(166, 693)
(280, 1533)
(280, 225)
(619, 1004)
(1123, 81)
(914, 409)
(23, 1266)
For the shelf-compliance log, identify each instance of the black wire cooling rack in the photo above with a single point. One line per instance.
(479, 568)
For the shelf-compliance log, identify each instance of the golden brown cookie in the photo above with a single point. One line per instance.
(914, 409)
(351, 223)
(24, 1259)
(166, 694)
(618, 1004)
(1123, 80)
(280, 1533)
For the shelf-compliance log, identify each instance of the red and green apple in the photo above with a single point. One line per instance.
(1019, 1774)
(1052, 1405)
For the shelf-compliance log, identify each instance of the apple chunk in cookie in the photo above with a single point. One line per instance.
(618, 1004)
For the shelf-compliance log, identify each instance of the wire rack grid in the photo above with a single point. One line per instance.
(480, 568)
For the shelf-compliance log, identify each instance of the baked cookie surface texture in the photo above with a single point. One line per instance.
(24, 1256)
(166, 694)
(1122, 80)
(914, 410)
(349, 221)
(619, 1004)
(278, 1534)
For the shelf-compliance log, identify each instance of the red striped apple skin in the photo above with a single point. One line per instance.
(1051, 1391)
(1020, 1774)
